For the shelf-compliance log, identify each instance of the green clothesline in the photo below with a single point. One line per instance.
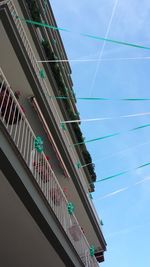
(95, 139)
(99, 98)
(82, 34)
(110, 135)
(122, 173)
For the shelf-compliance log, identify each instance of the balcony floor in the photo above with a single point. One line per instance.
(22, 243)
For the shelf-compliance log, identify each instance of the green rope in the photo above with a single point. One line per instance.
(28, 21)
(81, 98)
(114, 41)
(136, 99)
(110, 135)
(83, 34)
(144, 165)
(99, 98)
(112, 176)
(122, 173)
(96, 139)
(140, 127)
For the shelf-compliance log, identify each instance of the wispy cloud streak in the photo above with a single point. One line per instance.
(114, 193)
(124, 189)
(104, 44)
(142, 181)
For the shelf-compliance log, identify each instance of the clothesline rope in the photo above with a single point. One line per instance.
(83, 34)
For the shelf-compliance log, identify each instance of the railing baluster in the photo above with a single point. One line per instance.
(18, 138)
(28, 145)
(22, 137)
(6, 106)
(25, 143)
(16, 130)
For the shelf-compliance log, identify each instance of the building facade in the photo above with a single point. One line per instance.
(47, 214)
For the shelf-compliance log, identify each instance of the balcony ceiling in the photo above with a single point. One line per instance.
(11, 66)
(21, 241)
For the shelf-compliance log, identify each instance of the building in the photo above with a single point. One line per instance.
(47, 215)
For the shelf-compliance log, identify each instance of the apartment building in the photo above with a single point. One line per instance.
(47, 214)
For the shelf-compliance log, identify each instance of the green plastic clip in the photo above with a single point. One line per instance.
(63, 126)
(90, 196)
(78, 164)
(38, 144)
(42, 74)
(54, 41)
(92, 251)
(70, 208)
(101, 223)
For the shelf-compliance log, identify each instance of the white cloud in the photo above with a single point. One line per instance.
(114, 193)
(143, 181)
(128, 230)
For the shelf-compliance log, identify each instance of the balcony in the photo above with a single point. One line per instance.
(93, 231)
(21, 134)
(45, 89)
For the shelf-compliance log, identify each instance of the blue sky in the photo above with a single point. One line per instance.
(125, 213)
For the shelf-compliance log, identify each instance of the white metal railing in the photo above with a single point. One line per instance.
(20, 131)
(37, 68)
